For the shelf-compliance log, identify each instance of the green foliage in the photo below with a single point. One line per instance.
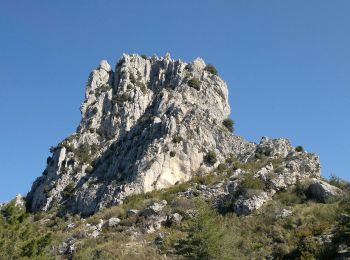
(194, 83)
(299, 148)
(177, 139)
(94, 110)
(83, 153)
(204, 240)
(68, 190)
(210, 68)
(132, 78)
(229, 124)
(222, 167)
(144, 56)
(211, 157)
(338, 182)
(172, 153)
(19, 238)
(343, 227)
(250, 182)
(89, 169)
(142, 86)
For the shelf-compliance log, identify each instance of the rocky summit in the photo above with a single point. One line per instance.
(152, 123)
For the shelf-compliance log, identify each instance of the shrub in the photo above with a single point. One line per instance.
(19, 236)
(144, 56)
(222, 167)
(172, 153)
(228, 123)
(204, 240)
(94, 110)
(250, 182)
(68, 190)
(89, 169)
(142, 87)
(338, 182)
(299, 148)
(177, 139)
(194, 83)
(210, 68)
(132, 78)
(83, 153)
(211, 157)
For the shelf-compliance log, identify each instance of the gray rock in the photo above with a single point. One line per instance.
(143, 128)
(322, 191)
(133, 212)
(154, 209)
(284, 213)
(112, 222)
(244, 206)
(176, 218)
(159, 240)
(71, 225)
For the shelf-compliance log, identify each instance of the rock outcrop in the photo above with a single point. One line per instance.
(149, 124)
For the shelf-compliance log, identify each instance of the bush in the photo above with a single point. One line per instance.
(228, 123)
(211, 157)
(89, 169)
(68, 190)
(299, 148)
(338, 182)
(132, 78)
(204, 239)
(19, 237)
(222, 167)
(210, 68)
(177, 139)
(172, 153)
(94, 110)
(194, 83)
(250, 182)
(144, 56)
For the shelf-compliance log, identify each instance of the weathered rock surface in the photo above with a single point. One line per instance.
(321, 190)
(147, 126)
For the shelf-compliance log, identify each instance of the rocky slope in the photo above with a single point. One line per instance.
(149, 124)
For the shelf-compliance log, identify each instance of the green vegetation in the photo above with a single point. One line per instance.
(299, 148)
(177, 139)
(194, 83)
(94, 110)
(203, 233)
(204, 239)
(132, 78)
(229, 124)
(250, 182)
(172, 153)
(211, 157)
(210, 68)
(20, 238)
(144, 56)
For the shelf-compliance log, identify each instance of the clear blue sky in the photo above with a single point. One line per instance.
(287, 64)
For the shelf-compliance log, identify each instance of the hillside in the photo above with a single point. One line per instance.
(155, 171)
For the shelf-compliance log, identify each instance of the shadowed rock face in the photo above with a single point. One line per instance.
(147, 126)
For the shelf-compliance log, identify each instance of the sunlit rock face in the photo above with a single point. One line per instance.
(146, 125)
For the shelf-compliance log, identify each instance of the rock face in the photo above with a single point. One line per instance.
(322, 191)
(149, 124)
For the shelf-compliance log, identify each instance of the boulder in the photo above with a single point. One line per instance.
(322, 191)
(245, 206)
(133, 212)
(154, 209)
(112, 222)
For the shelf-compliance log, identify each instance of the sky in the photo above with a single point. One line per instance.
(287, 65)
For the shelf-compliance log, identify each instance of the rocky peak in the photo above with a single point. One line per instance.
(149, 124)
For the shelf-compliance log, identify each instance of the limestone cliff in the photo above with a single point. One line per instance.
(149, 124)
